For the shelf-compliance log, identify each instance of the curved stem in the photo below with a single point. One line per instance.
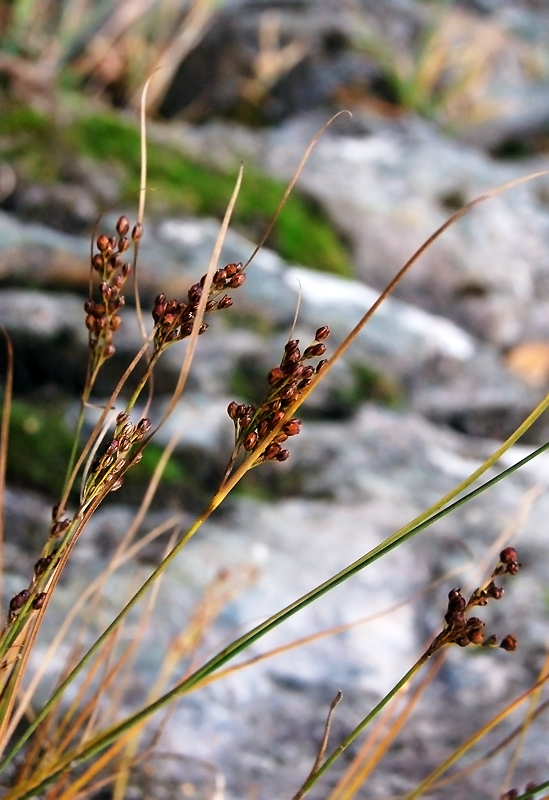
(312, 779)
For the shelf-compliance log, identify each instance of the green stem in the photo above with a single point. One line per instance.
(107, 737)
(312, 779)
(534, 791)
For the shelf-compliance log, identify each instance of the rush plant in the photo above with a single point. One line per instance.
(67, 748)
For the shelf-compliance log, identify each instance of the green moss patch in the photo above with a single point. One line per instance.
(43, 152)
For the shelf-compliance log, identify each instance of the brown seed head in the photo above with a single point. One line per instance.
(122, 226)
(314, 350)
(322, 333)
(250, 441)
(97, 262)
(232, 410)
(509, 643)
(39, 600)
(237, 280)
(292, 427)
(137, 232)
(507, 555)
(284, 455)
(103, 243)
(275, 376)
(225, 302)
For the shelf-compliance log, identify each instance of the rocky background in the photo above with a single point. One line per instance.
(448, 100)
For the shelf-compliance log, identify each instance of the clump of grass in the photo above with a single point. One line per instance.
(86, 750)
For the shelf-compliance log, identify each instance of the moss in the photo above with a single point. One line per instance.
(303, 233)
(39, 447)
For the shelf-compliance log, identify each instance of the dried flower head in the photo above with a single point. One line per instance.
(174, 319)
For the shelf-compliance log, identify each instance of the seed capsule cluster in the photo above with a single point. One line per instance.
(174, 319)
(102, 319)
(120, 454)
(287, 382)
(464, 630)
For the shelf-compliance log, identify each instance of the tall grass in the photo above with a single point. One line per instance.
(71, 747)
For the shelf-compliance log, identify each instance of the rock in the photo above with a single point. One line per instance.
(389, 192)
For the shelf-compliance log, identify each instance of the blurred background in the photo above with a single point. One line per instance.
(448, 99)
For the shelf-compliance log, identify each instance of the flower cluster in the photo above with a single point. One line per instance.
(174, 319)
(120, 453)
(102, 319)
(464, 630)
(287, 382)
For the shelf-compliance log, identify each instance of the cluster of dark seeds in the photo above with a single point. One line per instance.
(287, 382)
(464, 630)
(512, 794)
(102, 319)
(174, 319)
(120, 454)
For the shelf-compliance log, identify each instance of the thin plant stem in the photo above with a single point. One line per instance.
(313, 778)
(103, 740)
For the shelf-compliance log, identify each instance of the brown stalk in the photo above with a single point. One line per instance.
(4, 435)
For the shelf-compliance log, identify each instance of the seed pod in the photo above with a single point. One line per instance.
(126, 270)
(494, 591)
(509, 643)
(250, 441)
(122, 419)
(219, 278)
(41, 565)
(115, 323)
(123, 244)
(109, 351)
(225, 302)
(112, 447)
(322, 333)
(263, 428)
(232, 269)
(272, 451)
(103, 243)
(195, 293)
(314, 350)
(284, 455)
(237, 281)
(116, 485)
(232, 410)
(210, 305)
(19, 600)
(507, 555)
(115, 262)
(288, 392)
(291, 346)
(59, 527)
(275, 376)
(137, 232)
(275, 419)
(321, 364)
(97, 262)
(144, 425)
(39, 600)
(122, 226)
(124, 444)
(292, 427)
